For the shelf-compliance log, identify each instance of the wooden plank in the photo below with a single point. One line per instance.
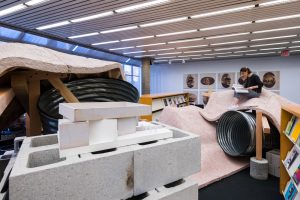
(6, 96)
(265, 125)
(63, 90)
(33, 122)
(258, 135)
(20, 88)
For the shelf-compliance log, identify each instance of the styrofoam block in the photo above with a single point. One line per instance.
(125, 140)
(6, 173)
(127, 125)
(72, 134)
(102, 110)
(103, 130)
(102, 176)
(166, 161)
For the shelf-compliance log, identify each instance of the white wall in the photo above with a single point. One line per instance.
(169, 78)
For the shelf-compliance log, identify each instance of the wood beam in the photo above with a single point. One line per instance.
(258, 135)
(20, 88)
(6, 96)
(265, 125)
(63, 90)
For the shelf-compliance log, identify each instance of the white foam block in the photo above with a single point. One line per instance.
(102, 131)
(130, 139)
(72, 134)
(102, 110)
(127, 125)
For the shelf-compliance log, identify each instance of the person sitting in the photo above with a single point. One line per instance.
(252, 82)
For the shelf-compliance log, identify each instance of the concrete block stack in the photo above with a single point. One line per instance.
(148, 161)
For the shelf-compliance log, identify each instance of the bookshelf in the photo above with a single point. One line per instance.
(159, 101)
(286, 143)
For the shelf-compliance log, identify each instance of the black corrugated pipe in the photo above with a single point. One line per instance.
(236, 134)
(86, 90)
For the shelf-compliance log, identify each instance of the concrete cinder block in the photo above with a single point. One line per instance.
(102, 110)
(39, 173)
(72, 134)
(103, 130)
(127, 125)
(166, 161)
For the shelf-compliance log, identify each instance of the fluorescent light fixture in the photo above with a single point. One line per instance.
(12, 9)
(233, 42)
(188, 40)
(278, 18)
(143, 56)
(225, 26)
(295, 51)
(121, 48)
(177, 33)
(162, 54)
(221, 12)
(190, 47)
(245, 51)
(83, 35)
(296, 41)
(268, 49)
(119, 29)
(148, 45)
(294, 47)
(277, 29)
(200, 51)
(127, 60)
(166, 57)
(276, 2)
(82, 19)
(52, 25)
(138, 38)
(133, 52)
(237, 55)
(253, 54)
(164, 22)
(230, 48)
(202, 58)
(186, 56)
(35, 2)
(141, 6)
(153, 50)
(273, 38)
(107, 42)
(212, 54)
(270, 44)
(179, 59)
(161, 61)
(75, 48)
(227, 35)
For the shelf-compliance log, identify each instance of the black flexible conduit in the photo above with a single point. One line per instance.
(236, 133)
(86, 90)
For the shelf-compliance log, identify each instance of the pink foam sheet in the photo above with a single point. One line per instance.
(215, 164)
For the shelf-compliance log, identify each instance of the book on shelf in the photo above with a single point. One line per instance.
(291, 157)
(290, 125)
(290, 191)
(295, 131)
(296, 176)
(239, 88)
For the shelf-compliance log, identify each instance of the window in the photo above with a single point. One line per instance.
(133, 76)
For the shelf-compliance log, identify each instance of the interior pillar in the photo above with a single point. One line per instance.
(146, 76)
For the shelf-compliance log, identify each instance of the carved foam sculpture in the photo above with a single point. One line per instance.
(90, 127)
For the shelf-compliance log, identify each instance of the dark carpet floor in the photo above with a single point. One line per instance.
(242, 187)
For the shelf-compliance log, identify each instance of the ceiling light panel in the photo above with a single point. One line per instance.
(296, 41)
(141, 6)
(107, 42)
(35, 2)
(293, 47)
(278, 18)
(176, 33)
(295, 51)
(162, 54)
(227, 35)
(180, 19)
(277, 29)
(268, 49)
(245, 51)
(187, 40)
(154, 50)
(269, 44)
(202, 58)
(169, 57)
(100, 15)
(231, 48)
(148, 45)
(83, 35)
(212, 54)
(133, 52)
(52, 25)
(138, 38)
(144, 56)
(221, 12)
(119, 29)
(230, 56)
(208, 50)
(273, 38)
(161, 60)
(121, 48)
(186, 56)
(225, 26)
(253, 54)
(276, 2)
(191, 47)
(233, 42)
